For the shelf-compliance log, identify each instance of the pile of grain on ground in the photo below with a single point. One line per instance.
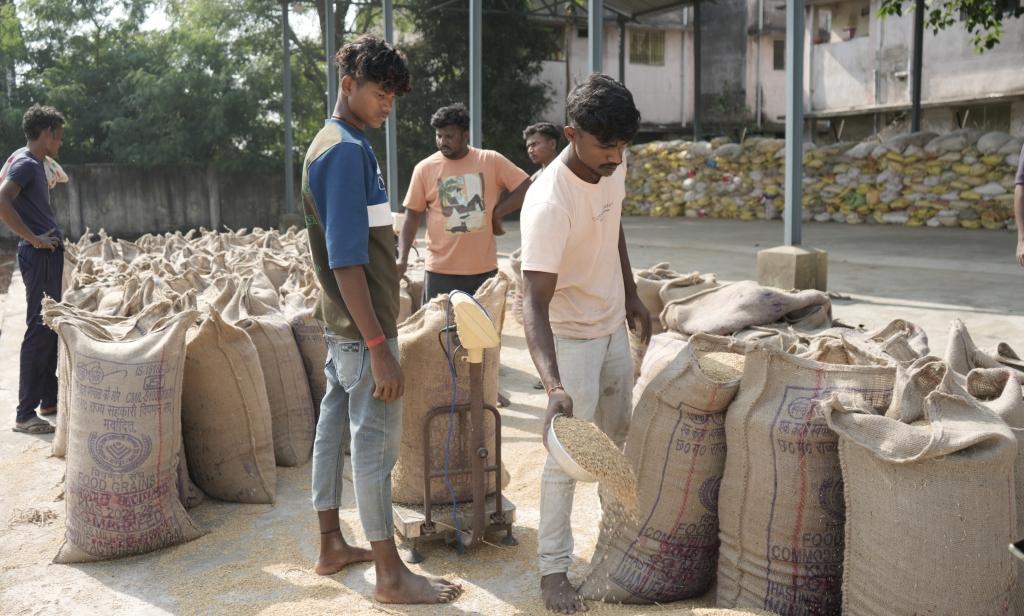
(591, 448)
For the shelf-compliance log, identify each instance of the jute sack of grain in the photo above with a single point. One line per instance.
(656, 286)
(225, 415)
(410, 297)
(732, 307)
(684, 286)
(962, 355)
(781, 503)
(649, 283)
(300, 311)
(428, 385)
(780, 337)
(284, 374)
(999, 389)
(828, 350)
(98, 327)
(515, 261)
(901, 340)
(929, 505)
(124, 442)
(676, 445)
(114, 329)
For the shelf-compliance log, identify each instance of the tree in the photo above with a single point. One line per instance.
(436, 41)
(12, 51)
(207, 88)
(982, 18)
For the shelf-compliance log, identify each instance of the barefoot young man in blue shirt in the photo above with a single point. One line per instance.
(353, 249)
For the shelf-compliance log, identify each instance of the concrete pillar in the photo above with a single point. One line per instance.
(213, 194)
(794, 120)
(475, 73)
(1017, 118)
(595, 35)
(391, 131)
(331, 48)
(75, 208)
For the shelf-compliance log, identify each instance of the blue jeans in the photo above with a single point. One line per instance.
(376, 435)
(41, 271)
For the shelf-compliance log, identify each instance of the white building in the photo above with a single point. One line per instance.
(654, 56)
(856, 69)
(858, 72)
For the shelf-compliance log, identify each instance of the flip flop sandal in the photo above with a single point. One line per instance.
(34, 426)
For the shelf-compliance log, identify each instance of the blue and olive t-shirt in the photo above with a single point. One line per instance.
(350, 223)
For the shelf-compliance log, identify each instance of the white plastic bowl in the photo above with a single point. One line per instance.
(564, 460)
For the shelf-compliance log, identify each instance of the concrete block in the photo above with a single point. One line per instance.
(793, 267)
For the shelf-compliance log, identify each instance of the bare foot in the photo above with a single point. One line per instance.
(559, 595)
(408, 588)
(336, 554)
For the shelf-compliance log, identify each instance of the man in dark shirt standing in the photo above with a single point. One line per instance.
(1018, 207)
(25, 208)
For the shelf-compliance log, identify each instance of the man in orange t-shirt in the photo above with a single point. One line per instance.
(460, 189)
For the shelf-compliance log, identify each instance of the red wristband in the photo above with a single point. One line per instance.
(376, 342)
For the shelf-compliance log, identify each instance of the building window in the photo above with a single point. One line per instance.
(558, 36)
(779, 55)
(647, 47)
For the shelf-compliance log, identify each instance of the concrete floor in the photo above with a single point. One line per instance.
(257, 558)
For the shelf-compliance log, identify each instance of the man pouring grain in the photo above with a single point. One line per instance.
(579, 295)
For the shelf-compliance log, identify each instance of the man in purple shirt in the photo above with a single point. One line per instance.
(1018, 208)
(25, 208)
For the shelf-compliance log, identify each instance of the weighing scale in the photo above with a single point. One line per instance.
(472, 519)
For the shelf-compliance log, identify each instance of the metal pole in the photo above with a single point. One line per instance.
(331, 44)
(289, 166)
(794, 120)
(915, 73)
(696, 70)
(475, 73)
(622, 50)
(595, 35)
(391, 130)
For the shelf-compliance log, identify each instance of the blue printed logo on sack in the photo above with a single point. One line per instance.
(119, 453)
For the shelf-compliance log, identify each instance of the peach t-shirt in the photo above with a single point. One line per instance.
(570, 227)
(459, 197)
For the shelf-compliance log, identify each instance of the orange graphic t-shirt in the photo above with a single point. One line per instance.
(459, 198)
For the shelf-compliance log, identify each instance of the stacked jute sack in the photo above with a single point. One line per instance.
(964, 178)
(189, 366)
(192, 365)
(829, 471)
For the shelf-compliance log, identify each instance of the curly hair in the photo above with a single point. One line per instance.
(604, 108)
(452, 115)
(546, 129)
(39, 118)
(369, 58)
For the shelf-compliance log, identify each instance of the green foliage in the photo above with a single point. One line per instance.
(513, 97)
(982, 18)
(204, 83)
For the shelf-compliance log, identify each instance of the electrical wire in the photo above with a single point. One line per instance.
(451, 410)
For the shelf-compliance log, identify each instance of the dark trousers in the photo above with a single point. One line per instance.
(435, 284)
(37, 385)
